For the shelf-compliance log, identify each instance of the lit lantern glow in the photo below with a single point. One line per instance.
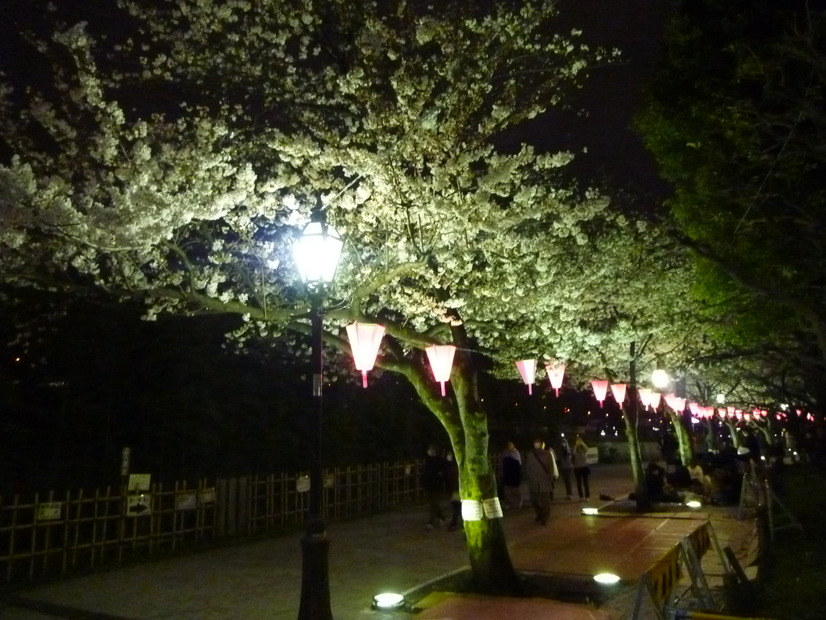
(654, 401)
(600, 387)
(365, 340)
(527, 369)
(645, 396)
(555, 374)
(441, 362)
(618, 390)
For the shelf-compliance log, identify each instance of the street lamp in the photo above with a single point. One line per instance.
(316, 255)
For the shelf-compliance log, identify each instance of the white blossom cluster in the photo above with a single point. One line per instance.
(387, 116)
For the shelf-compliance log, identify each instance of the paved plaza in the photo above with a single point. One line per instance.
(391, 551)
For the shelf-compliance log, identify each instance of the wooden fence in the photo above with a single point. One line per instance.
(52, 534)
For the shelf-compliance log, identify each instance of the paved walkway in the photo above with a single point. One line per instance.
(387, 552)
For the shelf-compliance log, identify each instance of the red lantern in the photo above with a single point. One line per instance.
(365, 340)
(618, 390)
(527, 369)
(555, 374)
(441, 362)
(600, 387)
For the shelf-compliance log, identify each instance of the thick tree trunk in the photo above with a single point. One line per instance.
(462, 416)
(490, 561)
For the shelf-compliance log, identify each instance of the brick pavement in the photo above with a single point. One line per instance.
(390, 551)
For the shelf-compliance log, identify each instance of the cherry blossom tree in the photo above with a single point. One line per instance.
(176, 160)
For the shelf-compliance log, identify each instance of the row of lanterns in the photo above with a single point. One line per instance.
(365, 340)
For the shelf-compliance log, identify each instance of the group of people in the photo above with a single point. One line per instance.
(540, 467)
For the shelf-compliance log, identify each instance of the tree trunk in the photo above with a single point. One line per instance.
(631, 416)
(684, 448)
(490, 561)
(461, 414)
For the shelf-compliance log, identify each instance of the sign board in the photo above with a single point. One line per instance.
(125, 457)
(49, 511)
(138, 483)
(592, 457)
(471, 510)
(329, 481)
(302, 484)
(493, 509)
(207, 495)
(138, 505)
(186, 500)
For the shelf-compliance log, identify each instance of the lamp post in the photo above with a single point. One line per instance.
(316, 255)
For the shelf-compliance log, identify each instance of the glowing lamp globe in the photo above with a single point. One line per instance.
(600, 387)
(441, 362)
(555, 374)
(317, 251)
(527, 370)
(618, 390)
(660, 379)
(365, 340)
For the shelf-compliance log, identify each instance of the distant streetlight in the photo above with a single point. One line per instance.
(316, 255)
(660, 379)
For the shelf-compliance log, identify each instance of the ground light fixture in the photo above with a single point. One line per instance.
(388, 600)
(607, 579)
(590, 511)
(694, 503)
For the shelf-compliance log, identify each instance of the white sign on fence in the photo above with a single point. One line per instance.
(187, 500)
(593, 455)
(302, 484)
(138, 505)
(49, 511)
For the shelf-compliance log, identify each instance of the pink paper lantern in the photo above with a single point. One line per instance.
(600, 387)
(365, 340)
(694, 408)
(441, 362)
(555, 374)
(618, 390)
(654, 401)
(527, 369)
(645, 397)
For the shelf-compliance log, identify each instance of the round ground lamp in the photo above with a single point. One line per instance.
(441, 362)
(388, 600)
(527, 370)
(555, 374)
(365, 340)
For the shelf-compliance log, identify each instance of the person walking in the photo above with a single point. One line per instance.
(540, 472)
(510, 473)
(565, 463)
(433, 484)
(581, 468)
